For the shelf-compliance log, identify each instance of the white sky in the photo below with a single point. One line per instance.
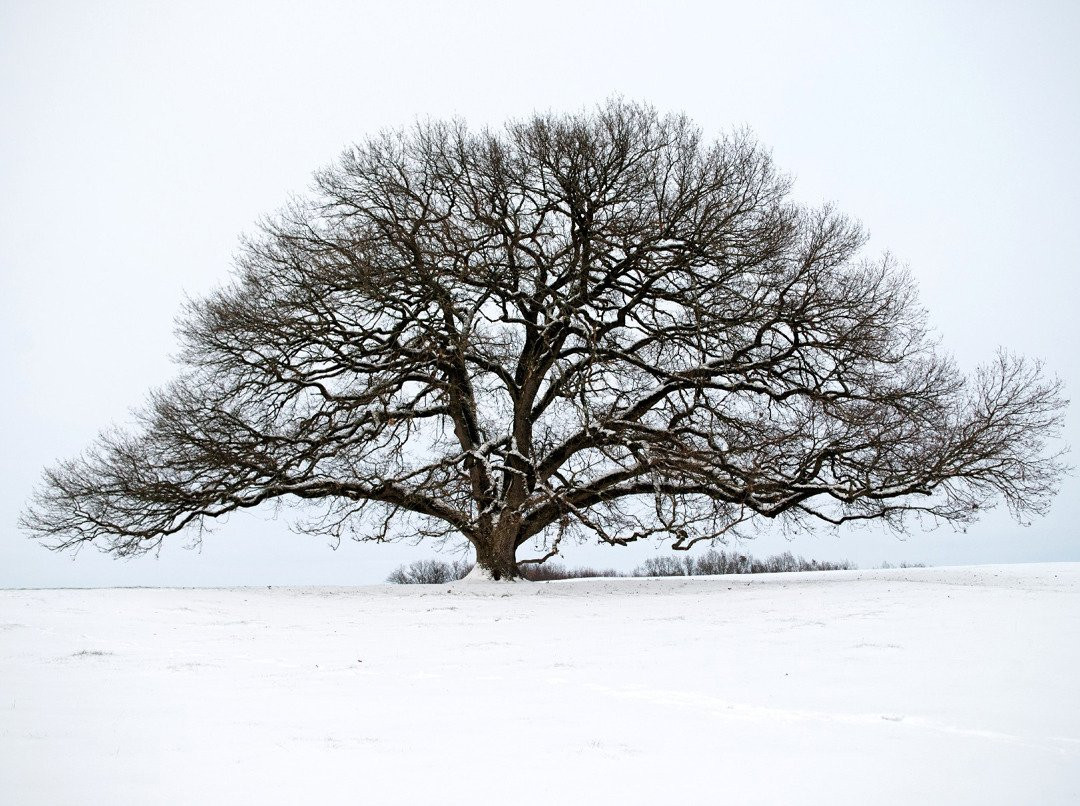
(139, 140)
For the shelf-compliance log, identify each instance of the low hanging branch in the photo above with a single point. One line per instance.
(593, 324)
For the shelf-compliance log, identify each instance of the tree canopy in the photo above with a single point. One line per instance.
(599, 324)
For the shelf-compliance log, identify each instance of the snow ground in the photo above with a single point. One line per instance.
(949, 685)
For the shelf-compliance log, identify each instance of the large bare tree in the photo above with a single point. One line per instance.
(590, 324)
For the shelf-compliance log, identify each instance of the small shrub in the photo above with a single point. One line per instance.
(546, 572)
(720, 562)
(543, 572)
(666, 567)
(429, 572)
(887, 565)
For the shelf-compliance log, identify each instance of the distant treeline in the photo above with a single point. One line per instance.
(709, 563)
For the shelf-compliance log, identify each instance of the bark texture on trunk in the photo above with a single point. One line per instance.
(496, 559)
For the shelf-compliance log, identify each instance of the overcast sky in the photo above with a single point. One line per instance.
(139, 140)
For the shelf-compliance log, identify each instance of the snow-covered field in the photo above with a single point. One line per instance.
(951, 685)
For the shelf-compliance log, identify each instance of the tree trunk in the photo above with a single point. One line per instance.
(496, 560)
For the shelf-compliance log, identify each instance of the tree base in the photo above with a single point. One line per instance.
(479, 575)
